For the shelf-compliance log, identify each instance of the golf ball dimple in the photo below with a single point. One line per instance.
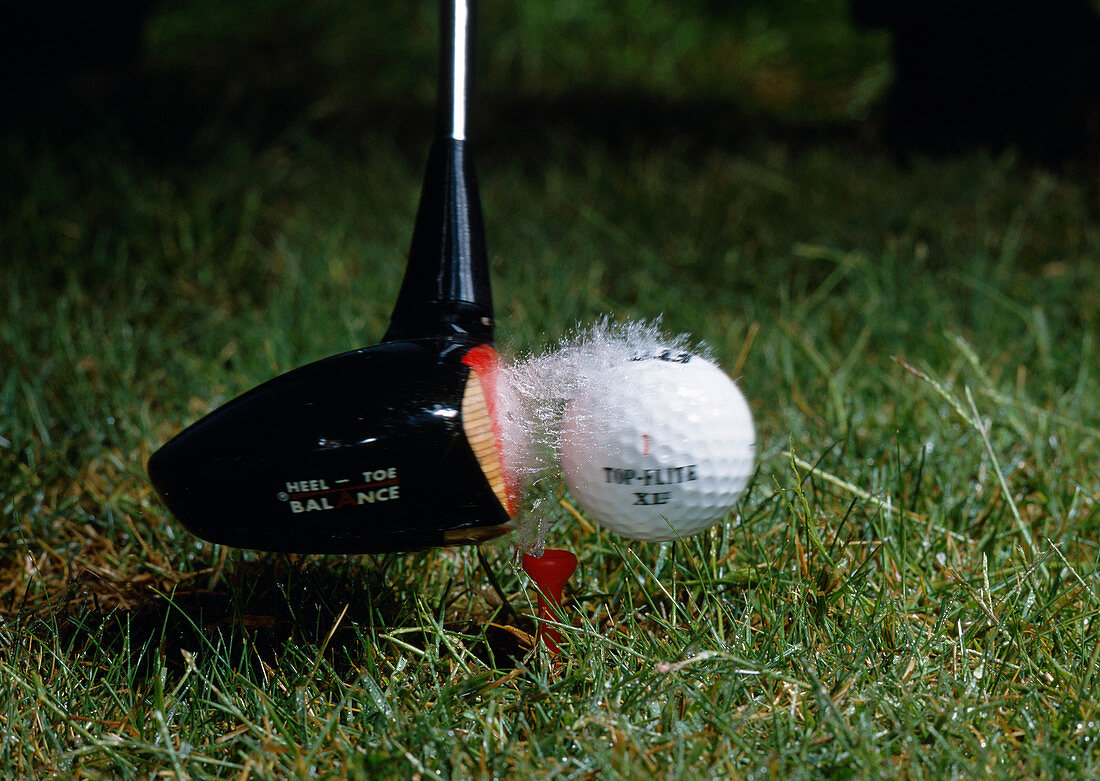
(661, 449)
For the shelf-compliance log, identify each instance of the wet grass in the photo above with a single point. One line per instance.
(908, 588)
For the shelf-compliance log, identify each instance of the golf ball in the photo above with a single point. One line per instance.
(661, 449)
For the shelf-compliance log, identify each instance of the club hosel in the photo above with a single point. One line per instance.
(446, 291)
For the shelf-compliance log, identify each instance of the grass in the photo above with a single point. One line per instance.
(908, 588)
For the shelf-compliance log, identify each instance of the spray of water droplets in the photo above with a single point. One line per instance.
(535, 391)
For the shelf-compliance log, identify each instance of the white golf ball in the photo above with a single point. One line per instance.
(661, 449)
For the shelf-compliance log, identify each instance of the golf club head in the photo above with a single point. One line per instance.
(387, 448)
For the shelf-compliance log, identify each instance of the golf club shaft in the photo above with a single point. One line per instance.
(446, 290)
(456, 36)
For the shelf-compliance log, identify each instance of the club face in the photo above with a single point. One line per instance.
(387, 448)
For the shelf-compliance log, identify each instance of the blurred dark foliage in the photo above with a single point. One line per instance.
(82, 73)
(993, 73)
(49, 48)
(969, 73)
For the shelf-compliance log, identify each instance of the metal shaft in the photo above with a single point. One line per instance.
(460, 36)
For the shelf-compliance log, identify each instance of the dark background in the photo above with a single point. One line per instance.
(171, 77)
